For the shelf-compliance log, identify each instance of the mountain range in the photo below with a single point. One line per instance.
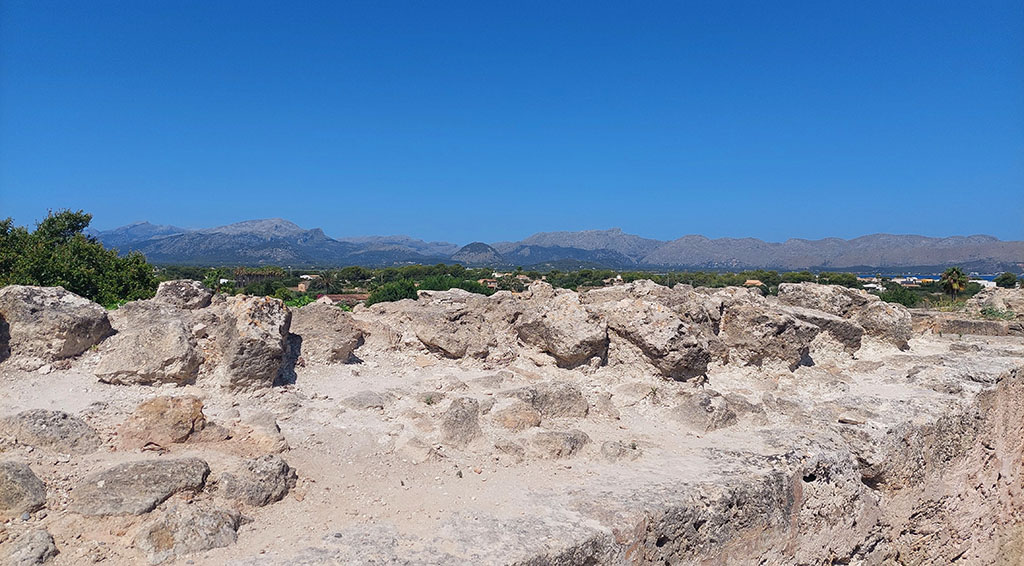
(276, 241)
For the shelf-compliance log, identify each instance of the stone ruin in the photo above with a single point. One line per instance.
(633, 424)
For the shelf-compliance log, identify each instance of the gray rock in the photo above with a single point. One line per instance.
(553, 399)
(888, 321)
(259, 481)
(183, 294)
(185, 529)
(705, 411)
(20, 490)
(364, 400)
(677, 348)
(52, 430)
(134, 488)
(557, 323)
(31, 549)
(251, 338)
(46, 324)
(846, 332)
(755, 333)
(551, 444)
(328, 333)
(460, 424)
(153, 345)
(616, 450)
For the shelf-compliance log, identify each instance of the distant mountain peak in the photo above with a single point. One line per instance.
(267, 227)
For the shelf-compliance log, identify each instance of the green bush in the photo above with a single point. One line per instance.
(446, 282)
(1006, 280)
(57, 253)
(896, 293)
(392, 291)
(996, 314)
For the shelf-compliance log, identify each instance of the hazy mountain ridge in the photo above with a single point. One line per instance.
(280, 242)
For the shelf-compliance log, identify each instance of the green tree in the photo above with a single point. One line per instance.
(1007, 280)
(57, 253)
(954, 281)
(896, 293)
(392, 291)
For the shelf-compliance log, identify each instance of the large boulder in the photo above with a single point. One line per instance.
(162, 421)
(45, 324)
(997, 299)
(455, 334)
(553, 399)
(186, 529)
(134, 488)
(31, 549)
(251, 338)
(258, 481)
(846, 332)
(888, 321)
(52, 430)
(153, 345)
(460, 423)
(678, 349)
(183, 294)
(557, 323)
(329, 335)
(756, 333)
(20, 490)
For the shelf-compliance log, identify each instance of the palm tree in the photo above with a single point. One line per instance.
(954, 281)
(326, 281)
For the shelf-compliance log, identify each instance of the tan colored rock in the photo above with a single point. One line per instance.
(181, 530)
(557, 323)
(163, 421)
(154, 345)
(460, 423)
(47, 324)
(515, 415)
(329, 335)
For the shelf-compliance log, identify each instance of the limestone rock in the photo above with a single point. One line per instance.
(999, 299)
(846, 332)
(183, 294)
(551, 444)
(31, 549)
(46, 324)
(186, 529)
(756, 333)
(329, 335)
(456, 334)
(134, 488)
(515, 415)
(888, 321)
(365, 400)
(153, 345)
(553, 399)
(678, 349)
(52, 430)
(251, 337)
(20, 490)
(616, 450)
(163, 421)
(705, 411)
(561, 327)
(265, 435)
(460, 423)
(259, 481)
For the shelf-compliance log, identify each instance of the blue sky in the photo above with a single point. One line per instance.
(491, 121)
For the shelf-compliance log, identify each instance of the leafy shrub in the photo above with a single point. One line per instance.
(57, 253)
(446, 282)
(1006, 280)
(895, 293)
(996, 314)
(392, 291)
(299, 301)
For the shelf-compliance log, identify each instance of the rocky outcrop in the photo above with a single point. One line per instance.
(134, 488)
(183, 294)
(259, 481)
(755, 333)
(997, 299)
(845, 332)
(558, 324)
(460, 423)
(553, 399)
(888, 321)
(32, 548)
(20, 490)
(250, 337)
(46, 324)
(154, 345)
(558, 444)
(162, 421)
(328, 334)
(181, 530)
(51, 430)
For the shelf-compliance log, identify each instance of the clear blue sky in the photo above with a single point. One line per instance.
(491, 121)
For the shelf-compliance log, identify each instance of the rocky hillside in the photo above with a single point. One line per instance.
(277, 241)
(634, 424)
